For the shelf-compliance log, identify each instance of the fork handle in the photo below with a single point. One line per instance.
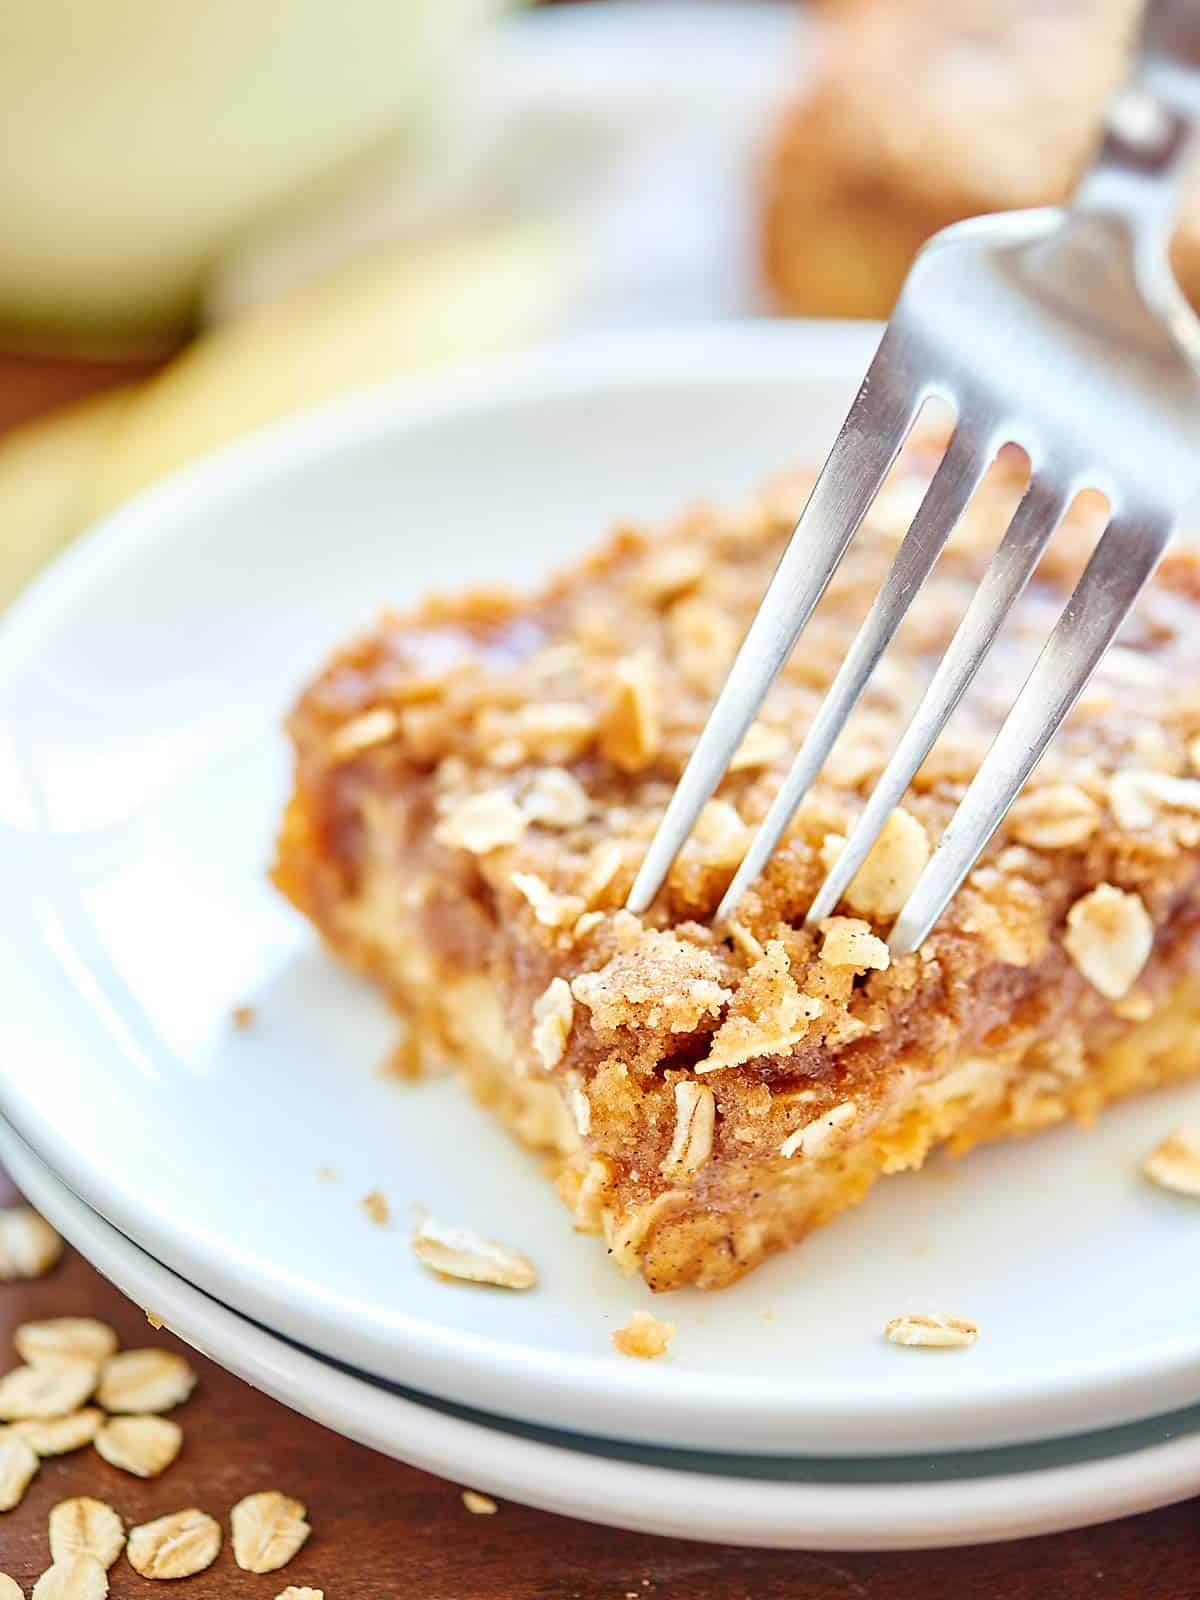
(1151, 122)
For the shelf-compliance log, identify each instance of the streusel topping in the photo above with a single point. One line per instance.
(528, 748)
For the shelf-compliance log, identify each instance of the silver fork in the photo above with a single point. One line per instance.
(1063, 331)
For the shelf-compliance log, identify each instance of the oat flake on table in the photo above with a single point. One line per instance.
(57, 1436)
(51, 1390)
(29, 1246)
(144, 1446)
(77, 1578)
(175, 1546)
(268, 1529)
(140, 1381)
(82, 1337)
(85, 1527)
(18, 1467)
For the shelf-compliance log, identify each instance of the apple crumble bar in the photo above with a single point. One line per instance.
(918, 113)
(476, 783)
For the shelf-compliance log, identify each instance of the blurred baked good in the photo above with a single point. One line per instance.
(922, 112)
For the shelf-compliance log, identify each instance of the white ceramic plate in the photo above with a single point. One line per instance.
(141, 774)
(885, 1503)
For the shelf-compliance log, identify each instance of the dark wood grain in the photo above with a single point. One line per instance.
(383, 1530)
(30, 386)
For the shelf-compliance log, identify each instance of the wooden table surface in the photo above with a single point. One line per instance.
(383, 1530)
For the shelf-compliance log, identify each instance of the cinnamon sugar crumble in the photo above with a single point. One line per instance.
(1137, 798)
(551, 910)
(670, 572)
(1136, 1006)
(373, 728)
(659, 983)
(1175, 1163)
(745, 941)
(479, 1505)
(644, 1336)
(702, 640)
(482, 823)
(603, 866)
(1057, 817)
(762, 747)
(629, 735)
(889, 874)
(849, 942)
(705, 1094)
(816, 1137)
(721, 833)
(695, 1117)
(556, 799)
(581, 1110)
(767, 1015)
(553, 1014)
(555, 733)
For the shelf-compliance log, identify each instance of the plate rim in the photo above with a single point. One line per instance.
(920, 1413)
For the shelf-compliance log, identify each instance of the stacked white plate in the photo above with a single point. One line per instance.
(813, 1503)
(142, 773)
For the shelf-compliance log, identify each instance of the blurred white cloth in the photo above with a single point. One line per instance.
(638, 123)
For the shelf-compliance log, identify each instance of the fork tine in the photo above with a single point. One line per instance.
(959, 474)
(1114, 577)
(1034, 521)
(879, 420)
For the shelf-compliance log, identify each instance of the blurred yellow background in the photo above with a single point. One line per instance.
(221, 211)
(217, 212)
(149, 148)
